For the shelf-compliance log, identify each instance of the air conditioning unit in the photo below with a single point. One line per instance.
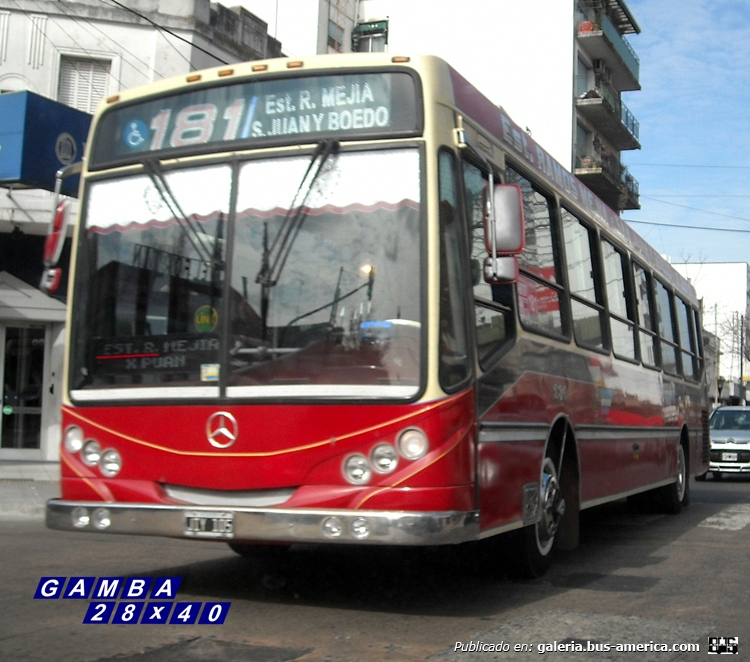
(602, 72)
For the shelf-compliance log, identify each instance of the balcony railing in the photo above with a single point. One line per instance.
(621, 46)
(603, 173)
(616, 111)
(628, 119)
(601, 40)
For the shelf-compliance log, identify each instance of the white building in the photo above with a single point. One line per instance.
(558, 67)
(725, 290)
(78, 52)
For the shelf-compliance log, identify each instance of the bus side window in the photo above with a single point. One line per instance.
(454, 346)
(666, 329)
(539, 289)
(695, 321)
(621, 320)
(646, 330)
(688, 340)
(493, 315)
(585, 297)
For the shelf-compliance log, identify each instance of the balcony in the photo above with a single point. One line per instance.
(608, 179)
(602, 41)
(603, 108)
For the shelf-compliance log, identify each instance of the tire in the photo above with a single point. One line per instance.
(531, 547)
(673, 498)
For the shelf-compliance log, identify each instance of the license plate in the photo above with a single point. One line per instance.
(205, 524)
(729, 457)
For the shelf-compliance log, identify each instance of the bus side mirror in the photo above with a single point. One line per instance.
(53, 244)
(504, 234)
(501, 270)
(50, 280)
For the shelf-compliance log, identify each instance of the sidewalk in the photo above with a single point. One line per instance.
(25, 488)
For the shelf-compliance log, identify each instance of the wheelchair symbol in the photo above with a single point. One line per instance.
(135, 133)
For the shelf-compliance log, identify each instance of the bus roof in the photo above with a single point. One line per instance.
(477, 107)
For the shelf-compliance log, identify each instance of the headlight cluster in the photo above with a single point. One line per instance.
(92, 455)
(411, 444)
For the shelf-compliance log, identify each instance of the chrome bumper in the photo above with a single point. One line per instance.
(266, 524)
(730, 467)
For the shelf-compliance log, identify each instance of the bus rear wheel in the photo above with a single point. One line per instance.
(531, 547)
(676, 496)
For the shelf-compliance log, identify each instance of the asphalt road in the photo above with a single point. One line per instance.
(636, 579)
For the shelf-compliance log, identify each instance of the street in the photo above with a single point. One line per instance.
(645, 579)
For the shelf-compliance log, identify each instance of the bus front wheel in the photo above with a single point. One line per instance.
(531, 547)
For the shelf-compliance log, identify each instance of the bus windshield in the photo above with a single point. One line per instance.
(308, 265)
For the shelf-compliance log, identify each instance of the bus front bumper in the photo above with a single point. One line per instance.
(276, 525)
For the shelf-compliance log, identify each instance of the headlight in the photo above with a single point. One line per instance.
(110, 463)
(384, 458)
(91, 452)
(413, 444)
(357, 470)
(73, 439)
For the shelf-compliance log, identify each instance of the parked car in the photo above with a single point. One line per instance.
(730, 440)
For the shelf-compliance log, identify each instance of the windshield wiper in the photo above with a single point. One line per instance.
(194, 235)
(275, 255)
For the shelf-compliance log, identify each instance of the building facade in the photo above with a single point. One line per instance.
(725, 290)
(78, 52)
(558, 67)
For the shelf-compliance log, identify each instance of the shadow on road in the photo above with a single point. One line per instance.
(456, 581)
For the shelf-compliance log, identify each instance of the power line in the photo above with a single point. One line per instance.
(46, 37)
(167, 30)
(82, 20)
(704, 211)
(688, 165)
(686, 227)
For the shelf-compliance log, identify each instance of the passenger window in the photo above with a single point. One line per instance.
(688, 340)
(587, 311)
(646, 330)
(493, 303)
(539, 292)
(666, 328)
(621, 323)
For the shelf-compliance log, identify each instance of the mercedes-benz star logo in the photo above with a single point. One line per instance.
(222, 429)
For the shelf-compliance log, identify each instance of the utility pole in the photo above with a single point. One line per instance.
(742, 359)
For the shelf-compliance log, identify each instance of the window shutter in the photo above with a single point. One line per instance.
(83, 82)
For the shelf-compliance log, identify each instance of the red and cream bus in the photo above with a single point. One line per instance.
(345, 299)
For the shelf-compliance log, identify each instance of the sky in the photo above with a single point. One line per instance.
(694, 112)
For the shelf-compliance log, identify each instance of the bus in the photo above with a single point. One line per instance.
(345, 299)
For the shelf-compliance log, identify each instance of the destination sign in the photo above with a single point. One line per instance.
(167, 353)
(301, 109)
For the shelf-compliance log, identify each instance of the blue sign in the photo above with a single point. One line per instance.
(39, 136)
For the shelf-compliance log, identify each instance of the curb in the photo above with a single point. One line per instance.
(26, 499)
